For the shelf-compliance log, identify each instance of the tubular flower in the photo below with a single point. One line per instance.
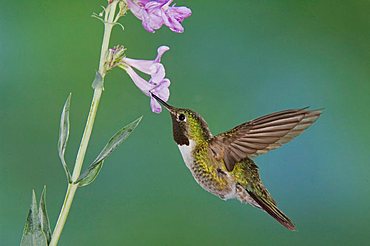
(157, 84)
(155, 13)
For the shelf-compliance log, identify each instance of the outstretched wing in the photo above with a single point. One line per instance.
(261, 135)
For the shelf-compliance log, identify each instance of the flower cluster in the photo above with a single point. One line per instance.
(154, 14)
(157, 84)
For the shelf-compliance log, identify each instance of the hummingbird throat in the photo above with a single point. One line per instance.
(179, 132)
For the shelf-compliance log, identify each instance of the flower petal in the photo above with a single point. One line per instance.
(141, 65)
(155, 106)
(148, 12)
(152, 21)
(145, 66)
(157, 73)
(155, 13)
(136, 9)
(173, 17)
(163, 93)
(143, 2)
(181, 12)
(162, 90)
(161, 50)
(141, 83)
(173, 24)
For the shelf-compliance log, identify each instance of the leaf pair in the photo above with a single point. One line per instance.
(93, 170)
(36, 231)
(63, 136)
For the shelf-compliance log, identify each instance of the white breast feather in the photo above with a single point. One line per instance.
(186, 152)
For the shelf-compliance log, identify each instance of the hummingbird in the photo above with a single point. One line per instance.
(223, 165)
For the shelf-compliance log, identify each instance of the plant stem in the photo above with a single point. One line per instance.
(72, 188)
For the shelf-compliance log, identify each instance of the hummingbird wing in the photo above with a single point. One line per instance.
(261, 135)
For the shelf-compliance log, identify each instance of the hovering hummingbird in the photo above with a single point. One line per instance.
(222, 164)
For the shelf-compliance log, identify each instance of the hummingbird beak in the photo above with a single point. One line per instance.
(170, 108)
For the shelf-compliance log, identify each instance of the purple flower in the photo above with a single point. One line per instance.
(157, 84)
(155, 13)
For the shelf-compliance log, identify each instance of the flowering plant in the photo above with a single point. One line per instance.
(153, 14)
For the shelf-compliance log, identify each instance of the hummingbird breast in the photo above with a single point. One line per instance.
(209, 173)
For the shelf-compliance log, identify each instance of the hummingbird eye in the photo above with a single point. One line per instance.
(181, 117)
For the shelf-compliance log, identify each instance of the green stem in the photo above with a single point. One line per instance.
(72, 188)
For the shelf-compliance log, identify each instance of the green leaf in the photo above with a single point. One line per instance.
(32, 233)
(92, 172)
(116, 140)
(98, 82)
(63, 136)
(43, 216)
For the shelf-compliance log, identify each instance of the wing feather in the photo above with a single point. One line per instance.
(262, 134)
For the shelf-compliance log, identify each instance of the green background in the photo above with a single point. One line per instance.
(237, 60)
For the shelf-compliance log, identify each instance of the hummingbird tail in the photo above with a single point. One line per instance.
(271, 209)
(251, 190)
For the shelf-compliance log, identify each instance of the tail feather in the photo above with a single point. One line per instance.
(251, 190)
(271, 209)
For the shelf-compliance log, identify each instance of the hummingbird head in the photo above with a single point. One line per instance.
(187, 125)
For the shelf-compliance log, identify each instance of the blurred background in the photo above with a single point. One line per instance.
(237, 60)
